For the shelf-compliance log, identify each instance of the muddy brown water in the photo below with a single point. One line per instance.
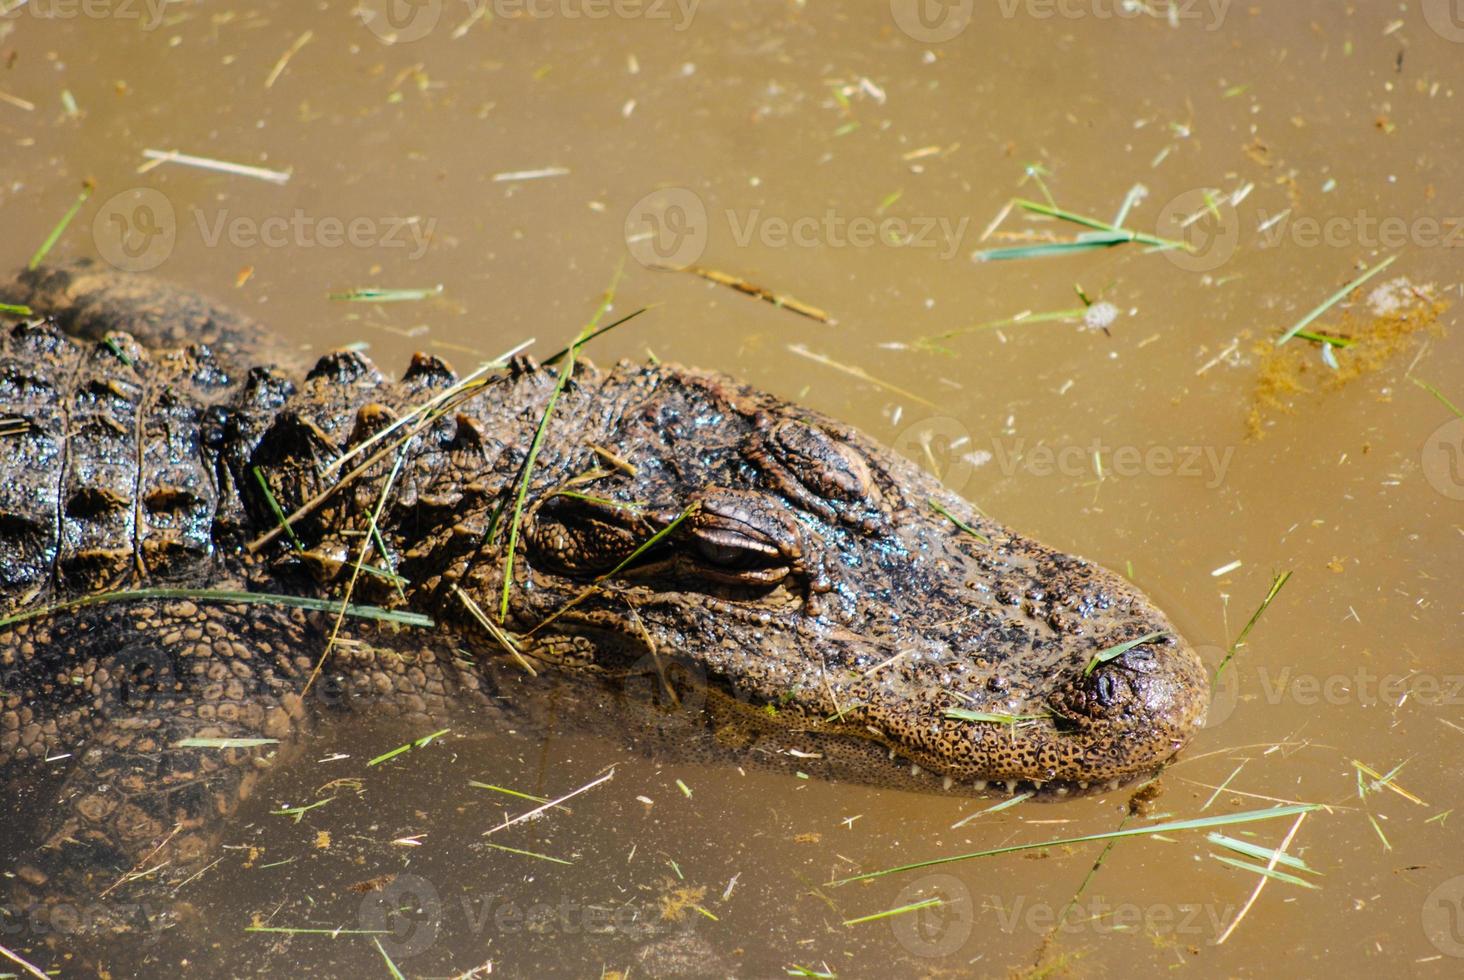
(851, 156)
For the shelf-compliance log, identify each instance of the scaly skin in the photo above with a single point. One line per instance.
(809, 599)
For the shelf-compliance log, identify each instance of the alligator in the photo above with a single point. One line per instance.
(204, 549)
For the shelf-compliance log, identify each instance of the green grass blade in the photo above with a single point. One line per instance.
(1114, 652)
(1333, 300)
(1203, 823)
(225, 597)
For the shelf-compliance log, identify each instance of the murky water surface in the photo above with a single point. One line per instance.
(853, 157)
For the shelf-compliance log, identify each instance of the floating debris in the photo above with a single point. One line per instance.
(755, 291)
(157, 157)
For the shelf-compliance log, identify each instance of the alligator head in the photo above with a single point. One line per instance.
(869, 623)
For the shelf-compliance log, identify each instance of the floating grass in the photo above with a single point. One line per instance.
(508, 792)
(1105, 235)
(1174, 826)
(158, 157)
(538, 441)
(1257, 851)
(1051, 316)
(540, 810)
(1438, 395)
(1277, 584)
(1114, 652)
(16, 309)
(420, 743)
(40, 254)
(1387, 781)
(532, 854)
(861, 374)
(369, 295)
(224, 743)
(780, 300)
(391, 967)
(936, 506)
(297, 813)
(929, 903)
(1261, 869)
(24, 964)
(1333, 300)
(224, 597)
(1003, 805)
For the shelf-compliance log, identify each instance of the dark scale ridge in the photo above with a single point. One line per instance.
(811, 609)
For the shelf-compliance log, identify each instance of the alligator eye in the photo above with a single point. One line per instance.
(1106, 690)
(725, 551)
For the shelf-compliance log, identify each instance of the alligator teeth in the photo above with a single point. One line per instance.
(914, 769)
(1062, 791)
(1038, 783)
(947, 783)
(1112, 785)
(1082, 785)
(980, 785)
(1011, 786)
(892, 755)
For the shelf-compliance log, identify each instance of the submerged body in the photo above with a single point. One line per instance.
(796, 594)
